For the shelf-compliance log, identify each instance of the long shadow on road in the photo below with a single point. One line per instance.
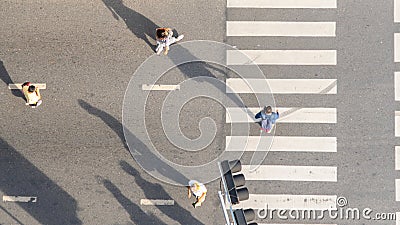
(142, 27)
(138, 216)
(5, 77)
(20, 177)
(156, 191)
(142, 152)
(149, 188)
(136, 22)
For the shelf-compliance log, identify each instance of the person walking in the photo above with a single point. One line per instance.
(32, 95)
(198, 190)
(268, 118)
(165, 38)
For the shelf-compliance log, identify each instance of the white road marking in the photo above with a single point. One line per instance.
(397, 190)
(281, 4)
(291, 173)
(19, 86)
(156, 202)
(397, 47)
(396, 11)
(159, 87)
(397, 157)
(281, 57)
(397, 86)
(279, 29)
(295, 202)
(397, 124)
(19, 199)
(397, 218)
(281, 144)
(287, 115)
(282, 86)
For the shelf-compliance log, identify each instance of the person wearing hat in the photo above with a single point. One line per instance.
(198, 190)
(164, 38)
(32, 95)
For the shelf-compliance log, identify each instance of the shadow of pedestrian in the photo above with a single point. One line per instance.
(136, 22)
(113, 123)
(141, 151)
(137, 215)
(141, 26)
(156, 191)
(19, 177)
(150, 189)
(5, 77)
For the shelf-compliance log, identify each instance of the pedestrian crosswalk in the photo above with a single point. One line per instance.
(294, 202)
(284, 87)
(283, 144)
(291, 173)
(281, 4)
(278, 28)
(397, 98)
(287, 115)
(281, 57)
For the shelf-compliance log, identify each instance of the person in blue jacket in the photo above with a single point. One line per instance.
(268, 118)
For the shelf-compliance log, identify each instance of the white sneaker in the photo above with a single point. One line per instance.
(39, 102)
(180, 37)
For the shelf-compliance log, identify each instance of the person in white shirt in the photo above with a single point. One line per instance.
(32, 95)
(198, 190)
(164, 38)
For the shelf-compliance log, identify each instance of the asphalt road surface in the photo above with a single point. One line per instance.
(71, 152)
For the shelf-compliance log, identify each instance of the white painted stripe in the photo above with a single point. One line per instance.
(299, 202)
(397, 157)
(156, 202)
(397, 218)
(397, 124)
(291, 173)
(282, 86)
(281, 57)
(281, 4)
(287, 115)
(159, 87)
(397, 47)
(397, 86)
(398, 190)
(396, 11)
(19, 86)
(281, 144)
(278, 28)
(19, 199)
